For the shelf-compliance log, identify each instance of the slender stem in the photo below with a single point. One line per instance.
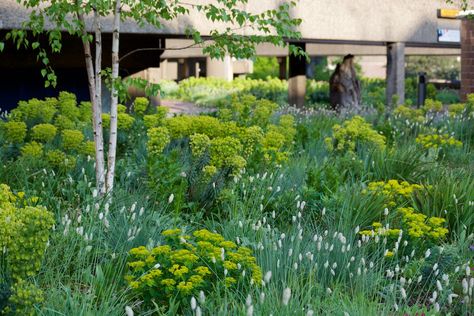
(97, 115)
(97, 109)
(114, 99)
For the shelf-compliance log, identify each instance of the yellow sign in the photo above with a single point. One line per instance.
(448, 13)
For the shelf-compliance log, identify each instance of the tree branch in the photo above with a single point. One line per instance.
(159, 49)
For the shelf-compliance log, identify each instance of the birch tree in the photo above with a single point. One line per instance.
(53, 18)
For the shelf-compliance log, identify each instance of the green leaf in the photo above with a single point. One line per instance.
(2, 46)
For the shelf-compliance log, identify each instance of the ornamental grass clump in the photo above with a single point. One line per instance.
(185, 265)
(24, 233)
(352, 133)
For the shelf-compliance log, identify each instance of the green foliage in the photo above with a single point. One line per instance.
(242, 131)
(353, 133)
(224, 151)
(141, 106)
(306, 213)
(436, 141)
(62, 122)
(435, 67)
(59, 160)
(72, 139)
(184, 265)
(268, 26)
(32, 149)
(43, 132)
(14, 132)
(214, 92)
(24, 232)
(125, 121)
(34, 111)
(199, 144)
(158, 139)
(264, 67)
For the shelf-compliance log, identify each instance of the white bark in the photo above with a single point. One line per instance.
(114, 99)
(96, 110)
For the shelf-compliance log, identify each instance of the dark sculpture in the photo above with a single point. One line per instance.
(344, 87)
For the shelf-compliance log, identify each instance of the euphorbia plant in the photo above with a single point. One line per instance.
(268, 26)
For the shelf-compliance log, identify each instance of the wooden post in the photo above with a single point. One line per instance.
(297, 79)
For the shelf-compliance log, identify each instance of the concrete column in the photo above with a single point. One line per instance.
(220, 68)
(297, 79)
(183, 69)
(197, 69)
(395, 72)
(467, 58)
(282, 67)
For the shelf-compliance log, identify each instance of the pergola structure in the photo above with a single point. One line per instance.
(360, 27)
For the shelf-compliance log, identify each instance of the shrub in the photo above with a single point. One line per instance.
(188, 264)
(43, 132)
(140, 106)
(124, 121)
(158, 139)
(34, 111)
(416, 225)
(272, 143)
(393, 191)
(14, 132)
(72, 139)
(155, 120)
(85, 112)
(67, 106)
(199, 144)
(352, 133)
(405, 112)
(223, 149)
(63, 122)
(24, 232)
(432, 106)
(60, 160)
(121, 108)
(32, 149)
(437, 141)
(88, 148)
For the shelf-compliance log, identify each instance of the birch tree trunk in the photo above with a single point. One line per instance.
(114, 99)
(96, 108)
